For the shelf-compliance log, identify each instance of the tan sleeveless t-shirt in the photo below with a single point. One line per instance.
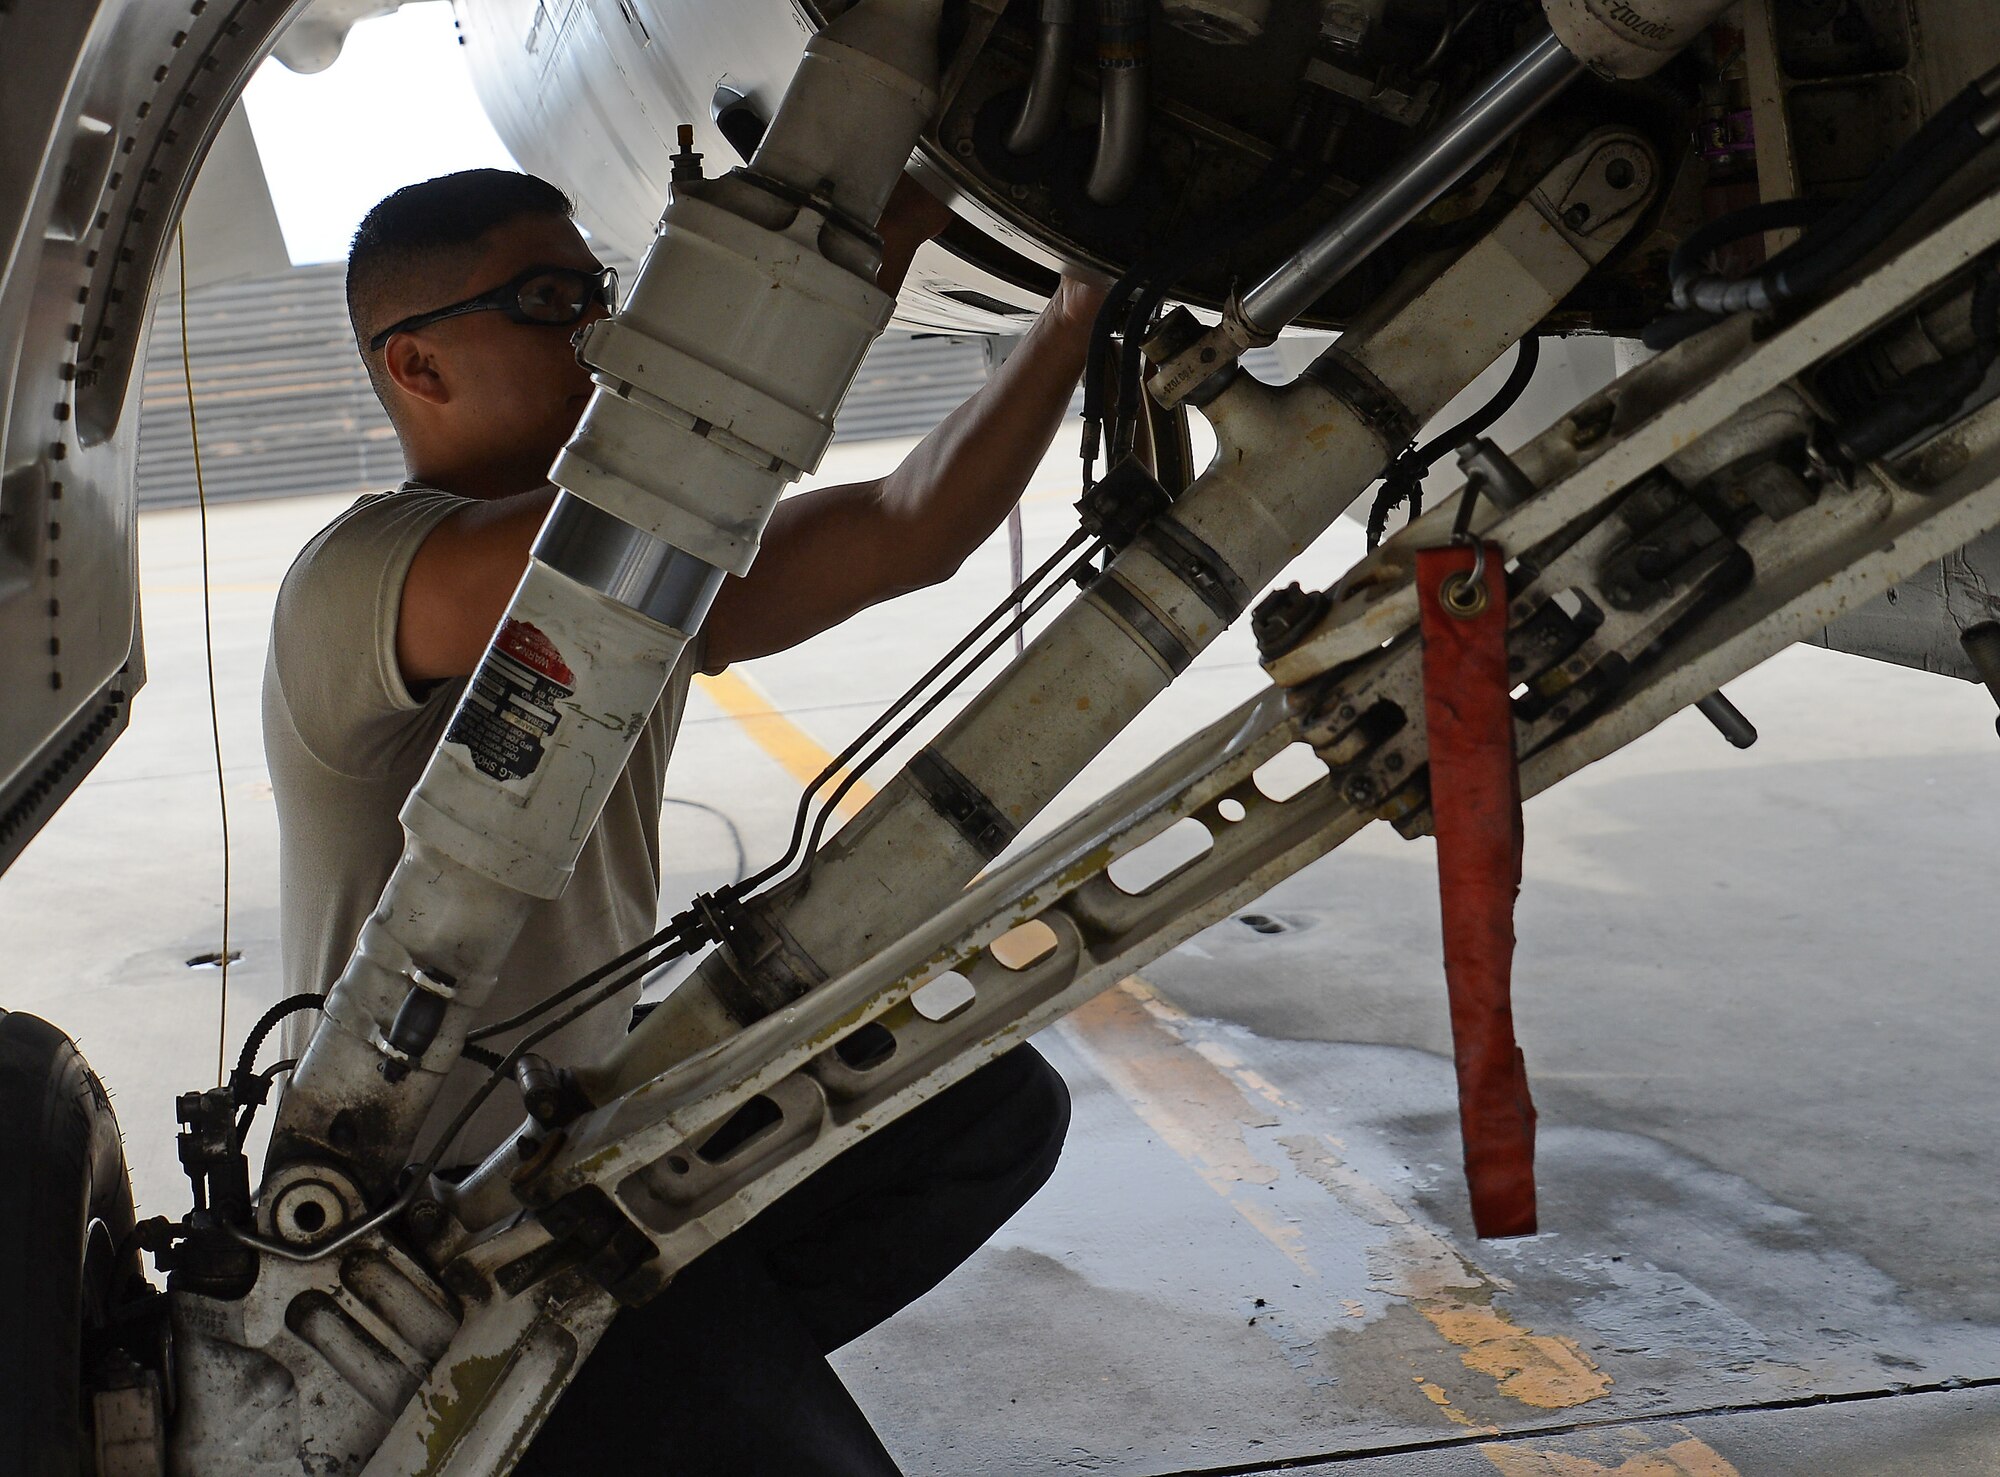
(346, 740)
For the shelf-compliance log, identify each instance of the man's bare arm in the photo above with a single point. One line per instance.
(836, 550)
(460, 581)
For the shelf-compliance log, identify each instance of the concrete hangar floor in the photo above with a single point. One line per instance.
(1754, 990)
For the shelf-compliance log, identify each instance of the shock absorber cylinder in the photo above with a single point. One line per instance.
(716, 386)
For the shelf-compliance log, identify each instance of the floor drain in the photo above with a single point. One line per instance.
(213, 959)
(1262, 922)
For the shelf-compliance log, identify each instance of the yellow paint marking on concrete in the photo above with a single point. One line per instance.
(1536, 1369)
(1543, 1370)
(1688, 1457)
(776, 734)
(1198, 1097)
(1455, 1297)
(1155, 1004)
(1232, 1065)
(1215, 1052)
(1436, 1395)
(1281, 1233)
(1194, 1109)
(1179, 1096)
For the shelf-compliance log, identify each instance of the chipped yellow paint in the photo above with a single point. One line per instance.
(1181, 1097)
(1287, 1237)
(774, 733)
(1216, 1054)
(1536, 1369)
(1199, 1096)
(1688, 1457)
(1436, 1395)
(1543, 1370)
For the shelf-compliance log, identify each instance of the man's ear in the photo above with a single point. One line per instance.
(414, 369)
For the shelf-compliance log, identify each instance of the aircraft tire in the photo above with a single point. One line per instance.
(65, 1210)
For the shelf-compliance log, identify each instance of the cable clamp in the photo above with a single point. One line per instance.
(438, 983)
(1121, 503)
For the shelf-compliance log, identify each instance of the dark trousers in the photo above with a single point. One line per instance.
(725, 1374)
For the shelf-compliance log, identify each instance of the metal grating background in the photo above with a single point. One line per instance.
(286, 409)
(284, 403)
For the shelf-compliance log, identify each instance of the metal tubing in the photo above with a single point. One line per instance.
(1527, 84)
(1121, 128)
(1041, 109)
(623, 563)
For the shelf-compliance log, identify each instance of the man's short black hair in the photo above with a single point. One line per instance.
(422, 234)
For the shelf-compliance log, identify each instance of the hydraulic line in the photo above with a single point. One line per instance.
(1016, 601)
(1403, 479)
(667, 937)
(1685, 265)
(416, 1178)
(1130, 304)
(1538, 74)
(1042, 109)
(1122, 67)
(1021, 617)
(1455, 16)
(246, 1085)
(1931, 395)
(1958, 133)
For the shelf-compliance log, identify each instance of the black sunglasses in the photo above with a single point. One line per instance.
(550, 295)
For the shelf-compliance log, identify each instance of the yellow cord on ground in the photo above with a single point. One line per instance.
(208, 645)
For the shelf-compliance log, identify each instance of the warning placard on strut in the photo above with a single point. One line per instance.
(512, 705)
